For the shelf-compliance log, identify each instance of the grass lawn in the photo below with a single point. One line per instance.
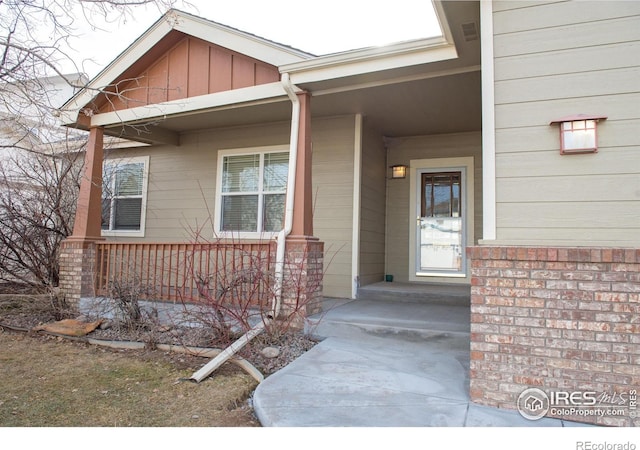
(53, 382)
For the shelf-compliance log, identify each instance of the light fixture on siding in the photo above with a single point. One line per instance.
(398, 171)
(578, 133)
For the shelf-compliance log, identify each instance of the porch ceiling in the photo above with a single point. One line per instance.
(444, 104)
(433, 106)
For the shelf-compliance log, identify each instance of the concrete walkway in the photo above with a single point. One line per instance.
(383, 364)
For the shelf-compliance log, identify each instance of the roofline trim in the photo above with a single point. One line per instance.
(221, 100)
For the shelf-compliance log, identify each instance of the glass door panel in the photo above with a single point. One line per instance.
(440, 226)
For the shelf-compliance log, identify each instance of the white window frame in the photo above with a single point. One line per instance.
(218, 196)
(143, 211)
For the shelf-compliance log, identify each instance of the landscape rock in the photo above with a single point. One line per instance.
(270, 352)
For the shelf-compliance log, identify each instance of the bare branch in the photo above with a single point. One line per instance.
(40, 163)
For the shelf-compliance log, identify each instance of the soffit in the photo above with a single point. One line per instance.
(445, 104)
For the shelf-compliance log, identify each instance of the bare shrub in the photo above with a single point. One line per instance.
(240, 290)
(233, 295)
(38, 192)
(40, 165)
(59, 306)
(127, 292)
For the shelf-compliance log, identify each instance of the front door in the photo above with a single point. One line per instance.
(440, 228)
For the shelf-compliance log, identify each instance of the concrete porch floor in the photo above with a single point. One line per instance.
(384, 361)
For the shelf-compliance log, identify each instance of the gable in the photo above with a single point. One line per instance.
(188, 68)
(169, 62)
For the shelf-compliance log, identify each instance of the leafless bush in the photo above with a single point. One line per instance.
(38, 193)
(234, 294)
(127, 293)
(242, 292)
(59, 306)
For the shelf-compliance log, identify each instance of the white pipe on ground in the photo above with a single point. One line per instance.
(227, 353)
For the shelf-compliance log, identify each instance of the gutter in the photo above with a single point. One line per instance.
(399, 49)
(291, 186)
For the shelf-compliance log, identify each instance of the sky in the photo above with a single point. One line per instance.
(335, 26)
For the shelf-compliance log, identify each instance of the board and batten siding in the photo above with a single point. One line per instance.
(402, 151)
(181, 190)
(555, 59)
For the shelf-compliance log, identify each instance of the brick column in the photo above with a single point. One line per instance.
(558, 319)
(302, 283)
(77, 269)
(78, 253)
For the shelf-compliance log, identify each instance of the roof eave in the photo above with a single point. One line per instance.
(372, 59)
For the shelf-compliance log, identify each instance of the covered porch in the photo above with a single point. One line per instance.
(343, 120)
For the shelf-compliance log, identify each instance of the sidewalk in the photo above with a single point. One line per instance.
(383, 364)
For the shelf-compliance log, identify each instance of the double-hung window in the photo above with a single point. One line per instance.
(252, 190)
(124, 189)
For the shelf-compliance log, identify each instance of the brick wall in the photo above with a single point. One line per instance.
(303, 275)
(77, 274)
(559, 319)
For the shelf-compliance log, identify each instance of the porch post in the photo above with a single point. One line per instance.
(78, 252)
(303, 271)
(89, 209)
(303, 199)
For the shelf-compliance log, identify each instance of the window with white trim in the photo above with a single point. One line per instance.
(124, 191)
(252, 191)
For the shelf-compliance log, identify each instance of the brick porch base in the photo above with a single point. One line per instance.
(559, 319)
(77, 269)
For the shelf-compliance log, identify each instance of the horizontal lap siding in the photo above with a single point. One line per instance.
(576, 189)
(333, 144)
(398, 197)
(538, 15)
(372, 208)
(555, 59)
(182, 180)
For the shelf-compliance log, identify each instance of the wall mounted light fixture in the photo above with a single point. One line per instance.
(578, 133)
(398, 171)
